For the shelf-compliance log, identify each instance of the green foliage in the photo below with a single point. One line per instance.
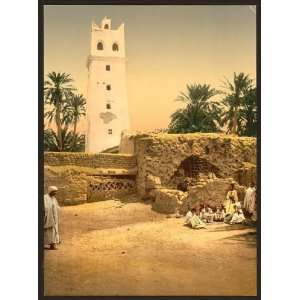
(51, 142)
(57, 91)
(74, 109)
(240, 102)
(249, 114)
(236, 112)
(201, 113)
(65, 108)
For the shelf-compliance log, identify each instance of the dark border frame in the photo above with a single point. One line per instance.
(41, 135)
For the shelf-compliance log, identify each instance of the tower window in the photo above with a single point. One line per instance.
(115, 47)
(108, 106)
(107, 67)
(108, 87)
(100, 46)
(106, 26)
(109, 131)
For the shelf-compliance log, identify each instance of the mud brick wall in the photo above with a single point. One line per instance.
(161, 154)
(246, 175)
(71, 173)
(101, 160)
(71, 182)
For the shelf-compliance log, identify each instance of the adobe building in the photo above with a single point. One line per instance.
(153, 168)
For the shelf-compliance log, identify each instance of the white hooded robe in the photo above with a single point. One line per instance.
(51, 207)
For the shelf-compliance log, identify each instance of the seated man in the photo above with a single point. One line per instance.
(194, 221)
(238, 215)
(188, 217)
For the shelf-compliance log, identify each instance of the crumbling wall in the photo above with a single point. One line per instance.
(75, 175)
(246, 175)
(71, 181)
(161, 154)
(169, 201)
(99, 160)
(212, 193)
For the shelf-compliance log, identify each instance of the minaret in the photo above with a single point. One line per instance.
(107, 106)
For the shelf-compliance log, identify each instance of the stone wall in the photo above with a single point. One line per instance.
(212, 193)
(161, 154)
(99, 160)
(169, 201)
(75, 174)
(71, 181)
(246, 174)
(155, 169)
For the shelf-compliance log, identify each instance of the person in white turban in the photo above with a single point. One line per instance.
(51, 207)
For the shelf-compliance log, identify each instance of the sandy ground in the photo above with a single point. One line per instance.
(125, 248)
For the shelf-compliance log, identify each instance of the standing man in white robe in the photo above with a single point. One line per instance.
(249, 200)
(51, 236)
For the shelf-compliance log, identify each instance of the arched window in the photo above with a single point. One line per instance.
(100, 46)
(115, 47)
(106, 26)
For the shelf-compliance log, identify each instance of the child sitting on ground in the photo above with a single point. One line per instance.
(219, 214)
(202, 214)
(209, 215)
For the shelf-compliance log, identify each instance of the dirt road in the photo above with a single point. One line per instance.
(124, 248)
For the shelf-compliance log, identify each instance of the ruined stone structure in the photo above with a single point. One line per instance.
(175, 170)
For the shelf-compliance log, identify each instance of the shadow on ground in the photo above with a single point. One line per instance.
(248, 239)
(234, 227)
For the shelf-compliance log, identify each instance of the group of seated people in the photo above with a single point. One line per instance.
(230, 212)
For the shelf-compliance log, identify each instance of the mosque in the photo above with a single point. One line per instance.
(107, 105)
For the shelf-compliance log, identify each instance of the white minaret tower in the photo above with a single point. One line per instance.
(107, 106)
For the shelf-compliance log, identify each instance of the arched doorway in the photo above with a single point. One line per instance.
(194, 165)
(190, 170)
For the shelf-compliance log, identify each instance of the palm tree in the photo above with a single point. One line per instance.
(249, 114)
(201, 113)
(234, 97)
(57, 89)
(74, 110)
(51, 141)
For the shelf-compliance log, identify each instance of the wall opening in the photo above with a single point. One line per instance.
(100, 46)
(115, 47)
(191, 170)
(194, 166)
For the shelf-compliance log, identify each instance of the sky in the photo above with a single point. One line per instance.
(167, 47)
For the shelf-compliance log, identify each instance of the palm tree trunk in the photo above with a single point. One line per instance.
(74, 133)
(58, 126)
(234, 123)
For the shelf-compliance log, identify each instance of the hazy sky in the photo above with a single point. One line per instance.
(166, 47)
